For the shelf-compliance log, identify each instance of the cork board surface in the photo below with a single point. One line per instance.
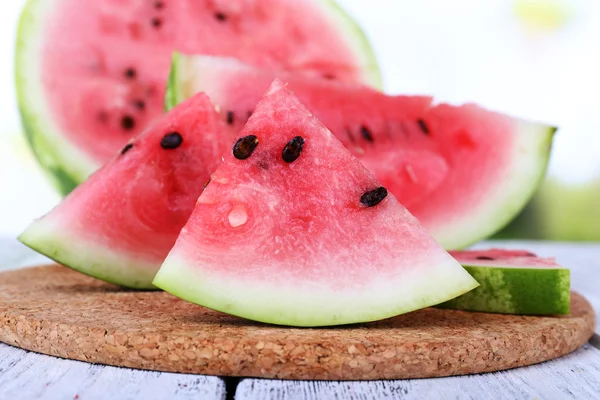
(57, 311)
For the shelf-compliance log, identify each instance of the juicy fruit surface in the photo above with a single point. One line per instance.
(462, 171)
(285, 235)
(103, 64)
(503, 258)
(120, 224)
(513, 282)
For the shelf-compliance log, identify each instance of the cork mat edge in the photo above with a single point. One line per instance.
(248, 357)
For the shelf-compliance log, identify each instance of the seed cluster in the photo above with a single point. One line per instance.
(157, 22)
(245, 146)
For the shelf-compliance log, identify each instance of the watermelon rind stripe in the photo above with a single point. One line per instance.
(516, 290)
(88, 257)
(66, 165)
(289, 302)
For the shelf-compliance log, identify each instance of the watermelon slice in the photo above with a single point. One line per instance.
(293, 230)
(513, 282)
(120, 224)
(91, 74)
(464, 172)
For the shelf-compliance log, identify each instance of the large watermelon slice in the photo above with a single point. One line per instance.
(120, 224)
(513, 282)
(464, 172)
(293, 230)
(91, 74)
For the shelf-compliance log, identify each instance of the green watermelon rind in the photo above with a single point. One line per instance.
(65, 165)
(286, 303)
(173, 92)
(516, 290)
(47, 238)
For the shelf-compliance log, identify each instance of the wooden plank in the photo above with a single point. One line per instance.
(576, 376)
(25, 375)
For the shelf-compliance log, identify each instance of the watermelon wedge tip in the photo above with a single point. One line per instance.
(463, 171)
(119, 225)
(293, 230)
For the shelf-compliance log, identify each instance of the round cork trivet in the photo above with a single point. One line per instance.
(56, 311)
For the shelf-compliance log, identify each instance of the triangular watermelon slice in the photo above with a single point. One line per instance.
(120, 224)
(513, 282)
(293, 230)
(463, 171)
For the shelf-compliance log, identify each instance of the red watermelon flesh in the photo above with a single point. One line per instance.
(463, 171)
(293, 230)
(120, 224)
(94, 72)
(504, 258)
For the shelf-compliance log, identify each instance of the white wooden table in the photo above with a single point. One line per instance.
(25, 375)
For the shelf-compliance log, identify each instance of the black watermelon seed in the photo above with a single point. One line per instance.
(140, 104)
(244, 147)
(220, 16)
(292, 149)
(530, 255)
(206, 184)
(230, 117)
(127, 122)
(156, 22)
(366, 134)
(159, 5)
(171, 140)
(130, 73)
(484, 258)
(423, 126)
(127, 147)
(374, 197)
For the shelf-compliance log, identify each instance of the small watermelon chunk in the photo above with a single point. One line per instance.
(90, 75)
(463, 171)
(513, 282)
(293, 230)
(120, 224)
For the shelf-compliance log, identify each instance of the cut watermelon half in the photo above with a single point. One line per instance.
(513, 282)
(463, 171)
(90, 75)
(120, 224)
(293, 230)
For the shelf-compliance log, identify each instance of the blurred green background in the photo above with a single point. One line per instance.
(537, 59)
